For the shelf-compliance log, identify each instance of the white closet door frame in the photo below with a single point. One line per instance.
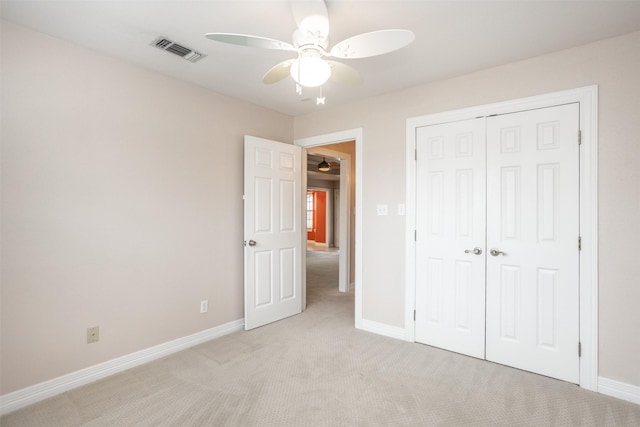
(587, 97)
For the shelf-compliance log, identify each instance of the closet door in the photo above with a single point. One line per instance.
(450, 222)
(532, 241)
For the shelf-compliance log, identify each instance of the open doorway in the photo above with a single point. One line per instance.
(323, 203)
(321, 219)
(353, 215)
(328, 201)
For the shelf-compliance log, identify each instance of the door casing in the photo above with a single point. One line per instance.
(587, 97)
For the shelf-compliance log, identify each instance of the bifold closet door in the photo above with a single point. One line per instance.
(532, 241)
(450, 236)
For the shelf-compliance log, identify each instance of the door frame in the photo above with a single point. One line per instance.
(587, 98)
(334, 138)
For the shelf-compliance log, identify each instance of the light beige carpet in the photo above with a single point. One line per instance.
(315, 369)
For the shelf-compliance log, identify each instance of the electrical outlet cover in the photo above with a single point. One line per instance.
(93, 334)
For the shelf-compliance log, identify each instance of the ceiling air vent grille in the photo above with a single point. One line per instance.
(177, 49)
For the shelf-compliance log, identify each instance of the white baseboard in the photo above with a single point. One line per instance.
(624, 391)
(35, 393)
(383, 329)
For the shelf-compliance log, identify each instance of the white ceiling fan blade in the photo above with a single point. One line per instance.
(343, 73)
(247, 40)
(372, 44)
(311, 18)
(278, 72)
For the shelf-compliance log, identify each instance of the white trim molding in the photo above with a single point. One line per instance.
(620, 390)
(383, 329)
(587, 97)
(38, 392)
(334, 138)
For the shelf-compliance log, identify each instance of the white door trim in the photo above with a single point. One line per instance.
(587, 97)
(333, 138)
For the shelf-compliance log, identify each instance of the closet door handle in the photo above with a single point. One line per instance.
(496, 252)
(475, 251)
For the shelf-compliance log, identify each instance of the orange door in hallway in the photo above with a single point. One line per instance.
(320, 216)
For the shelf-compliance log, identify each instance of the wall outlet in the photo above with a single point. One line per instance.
(93, 334)
(204, 306)
(401, 209)
(381, 210)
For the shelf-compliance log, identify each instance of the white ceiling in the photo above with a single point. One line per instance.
(452, 38)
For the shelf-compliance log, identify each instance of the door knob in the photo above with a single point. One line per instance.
(496, 252)
(252, 242)
(475, 251)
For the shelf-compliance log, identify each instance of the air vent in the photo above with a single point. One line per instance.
(177, 49)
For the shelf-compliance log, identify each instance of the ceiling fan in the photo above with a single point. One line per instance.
(310, 42)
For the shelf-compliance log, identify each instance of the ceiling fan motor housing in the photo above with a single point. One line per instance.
(302, 39)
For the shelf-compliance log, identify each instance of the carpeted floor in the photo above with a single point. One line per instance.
(315, 369)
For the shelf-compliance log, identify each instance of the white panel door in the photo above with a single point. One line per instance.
(450, 230)
(272, 231)
(533, 230)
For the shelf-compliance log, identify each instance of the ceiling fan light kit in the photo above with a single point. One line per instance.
(310, 71)
(310, 41)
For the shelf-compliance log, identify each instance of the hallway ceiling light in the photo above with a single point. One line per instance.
(323, 166)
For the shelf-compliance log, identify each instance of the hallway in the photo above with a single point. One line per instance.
(322, 281)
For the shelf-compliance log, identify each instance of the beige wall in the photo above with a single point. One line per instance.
(614, 65)
(121, 206)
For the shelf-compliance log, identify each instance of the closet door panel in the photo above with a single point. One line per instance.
(533, 228)
(450, 285)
